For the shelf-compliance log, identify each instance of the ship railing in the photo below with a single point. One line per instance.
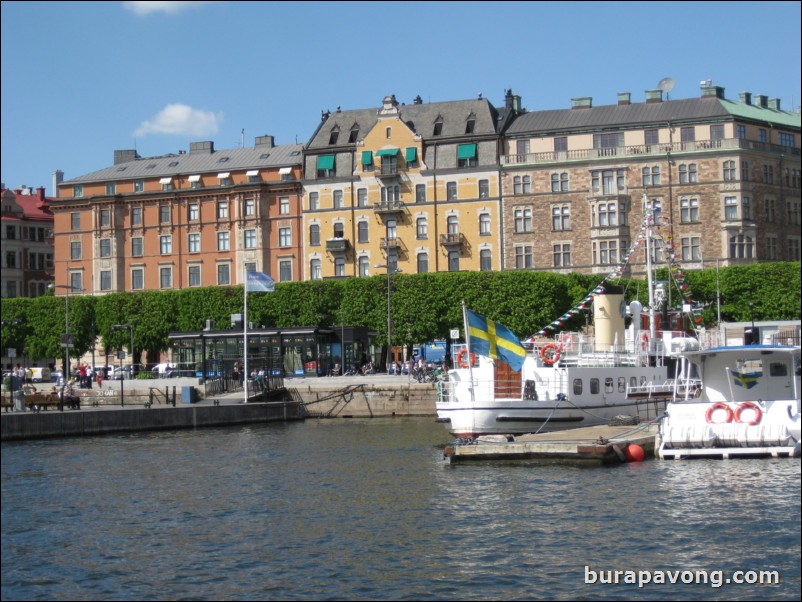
(672, 388)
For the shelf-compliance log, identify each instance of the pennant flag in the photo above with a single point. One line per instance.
(494, 340)
(258, 282)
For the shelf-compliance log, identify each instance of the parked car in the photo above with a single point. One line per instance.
(163, 370)
(119, 372)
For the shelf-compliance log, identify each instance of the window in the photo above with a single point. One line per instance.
(105, 280)
(194, 242)
(523, 219)
(223, 274)
(730, 208)
(741, 247)
(339, 230)
(315, 270)
(139, 185)
(746, 208)
(690, 248)
(451, 191)
(484, 224)
(608, 181)
(559, 182)
(222, 210)
(137, 248)
(195, 182)
(314, 202)
(338, 199)
(164, 214)
(605, 252)
(438, 126)
(137, 279)
(76, 281)
(793, 211)
(485, 261)
(75, 250)
(484, 189)
(224, 179)
(577, 386)
(769, 208)
(466, 155)
(771, 248)
(605, 215)
(762, 136)
(339, 266)
(314, 235)
(786, 139)
(420, 193)
(768, 174)
(167, 183)
(729, 171)
(75, 221)
(193, 212)
(687, 173)
(165, 245)
(561, 217)
(560, 144)
(250, 207)
(390, 195)
(325, 166)
(136, 216)
(607, 144)
(285, 237)
(688, 134)
(422, 228)
(452, 224)
(334, 135)
(651, 137)
(353, 135)
(11, 259)
(105, 247)
(453, 261)
(423, 263)
(522, 185)
(740, 131)
(562, 255)
(717, 132)
(651, 176)
(793, 249)
(250, 239)
(111, 188)
(362, 197)
(194, 275)
(77, 191)
(362, 232)
(166, 277)
(364, 266)
(689, 211)
(523, 256)
(253, 176)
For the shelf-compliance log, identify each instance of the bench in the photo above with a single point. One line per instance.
(39, 401)
(6, 403)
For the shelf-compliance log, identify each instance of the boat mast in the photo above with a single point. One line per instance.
(468, 348)
(648, 212)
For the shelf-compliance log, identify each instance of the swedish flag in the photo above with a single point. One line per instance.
(494, 340)
(747, 380)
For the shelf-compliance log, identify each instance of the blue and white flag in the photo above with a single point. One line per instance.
(494, 340)
(258, 282)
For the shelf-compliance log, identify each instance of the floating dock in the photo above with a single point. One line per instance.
(600, 444)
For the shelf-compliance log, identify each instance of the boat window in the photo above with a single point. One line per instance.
(577, 386)
(633, 381)
(777, 369)
(594, 386)
(608, 384)
(622, 384)
(642, 381)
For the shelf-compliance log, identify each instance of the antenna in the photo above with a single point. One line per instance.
(666, 85)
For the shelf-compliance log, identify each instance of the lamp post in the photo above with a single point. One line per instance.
(12, 353)
(131, 348)
(391, 269)
(67, 343)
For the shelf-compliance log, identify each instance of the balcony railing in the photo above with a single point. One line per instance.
(390, 243)
(388, 207)
(337, 245)
(451, 239)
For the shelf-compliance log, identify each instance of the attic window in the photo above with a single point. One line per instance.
(335, 133)
(295, 153)
(173, 163)
(354, 135)
(469, 125)
(123, 168)
(438, 126)
(264, 155)
(151, 166)
(222, 159)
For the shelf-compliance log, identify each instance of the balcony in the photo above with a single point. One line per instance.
(389, 208)
(452, 239)
(337, 245)
(387, 171)
(390, 243)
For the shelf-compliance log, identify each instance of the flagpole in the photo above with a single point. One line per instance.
(468, 348)
(245, 337)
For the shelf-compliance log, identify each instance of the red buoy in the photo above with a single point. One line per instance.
(634, 453)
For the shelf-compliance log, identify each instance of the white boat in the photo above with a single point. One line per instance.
(734, 401)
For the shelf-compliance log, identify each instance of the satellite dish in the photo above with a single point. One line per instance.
(666, 85)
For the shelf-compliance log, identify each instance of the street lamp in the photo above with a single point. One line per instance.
(391, 269)
(67, 340)
(12, 353)
(131, 348)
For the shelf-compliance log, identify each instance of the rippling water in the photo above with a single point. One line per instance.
(366, 509)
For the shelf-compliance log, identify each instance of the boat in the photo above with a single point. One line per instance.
(735, 401)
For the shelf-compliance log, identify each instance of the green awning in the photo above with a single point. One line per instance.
(412, 154)
(466, 151)
(367, 157)
(325, 162)
(387, 152)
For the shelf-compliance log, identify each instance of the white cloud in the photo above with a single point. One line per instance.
(180, 119)
(146, 8)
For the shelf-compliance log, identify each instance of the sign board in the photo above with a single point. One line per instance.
(455, 333)
(121, 355)
(11, 352)
(66, 341)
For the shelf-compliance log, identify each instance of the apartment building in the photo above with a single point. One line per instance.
(26, 242)
(181, 220)
(723, 176)
(412, 188)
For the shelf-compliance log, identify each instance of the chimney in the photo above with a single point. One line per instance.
(762, 101)
(266, 141)
(624, 98)
(201, 148)
(58, 178)
(746, 98)
(124, 156)
(653, 96)
(774, 103)
(583, 102)
(710, 91)
(41, 193)
(418, 100)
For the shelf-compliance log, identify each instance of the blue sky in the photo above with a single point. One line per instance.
(83, 79)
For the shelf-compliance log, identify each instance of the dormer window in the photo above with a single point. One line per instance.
(335, 133)
(470, 124)
(354, 135)
(438, 126)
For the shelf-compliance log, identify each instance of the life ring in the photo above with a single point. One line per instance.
(644, 342)
(719, 405)
(461, 358)
(749, 405)
(550, 354)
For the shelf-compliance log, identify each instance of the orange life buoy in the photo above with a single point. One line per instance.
(719, 405)
(550, 354)
(461, 358)
(749, 405)
(644, 342)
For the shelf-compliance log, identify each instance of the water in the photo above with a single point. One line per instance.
(366, 510)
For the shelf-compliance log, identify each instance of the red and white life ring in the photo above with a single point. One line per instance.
(461, 358)
(550, 354)
(749, 405)
(719, 405)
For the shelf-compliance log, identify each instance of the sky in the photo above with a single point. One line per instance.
(83, 79)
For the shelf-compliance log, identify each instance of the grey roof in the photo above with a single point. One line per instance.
(421, 117)
(639, 114)
(199, 162)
